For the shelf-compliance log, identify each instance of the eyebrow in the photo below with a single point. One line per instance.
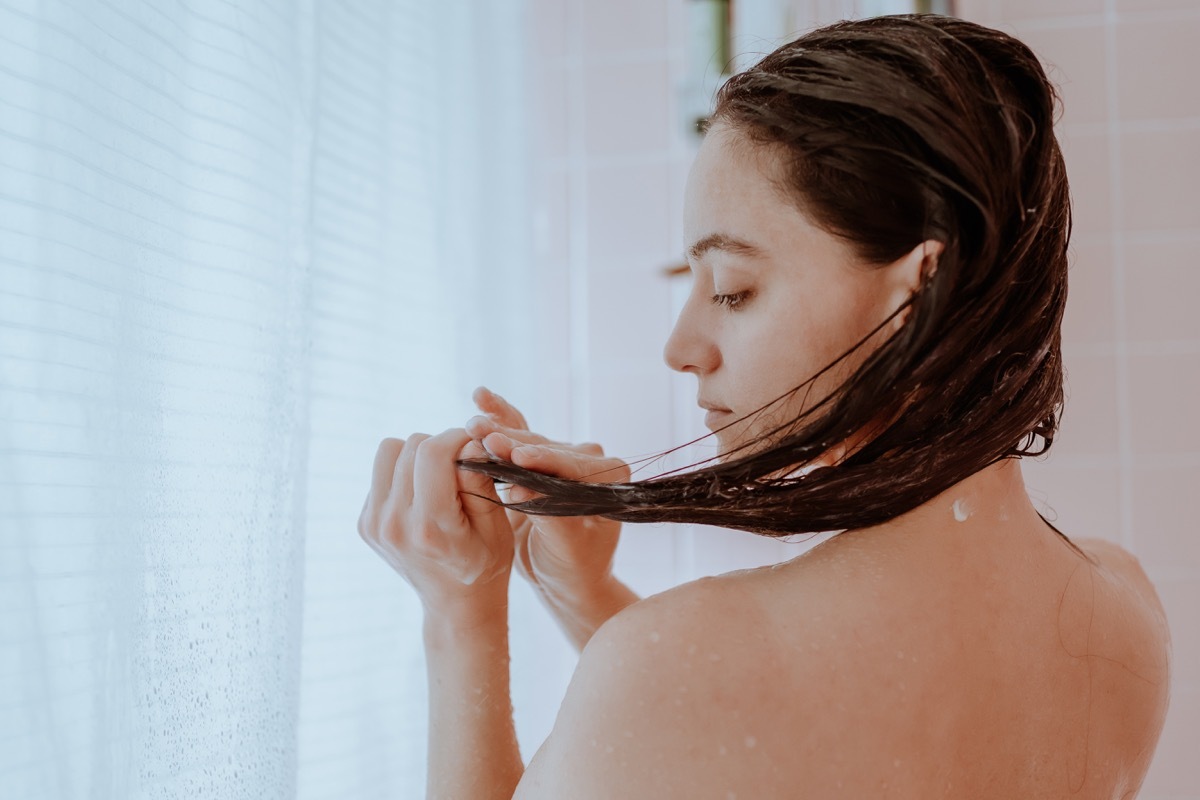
(723, 241)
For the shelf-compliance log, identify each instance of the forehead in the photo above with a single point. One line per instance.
(734, 190)
(728, 165)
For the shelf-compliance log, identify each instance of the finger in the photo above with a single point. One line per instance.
(499, 445)
(505, 412)
(471, 484)
(434, 482)
(479, 427)
(382, 473)
(385, 466)
(519, 494)
(570, 464)
(400, 494)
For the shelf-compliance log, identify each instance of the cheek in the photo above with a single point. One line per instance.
(784, 345)
(802, 341)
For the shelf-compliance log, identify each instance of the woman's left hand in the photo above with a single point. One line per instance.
(455, 549)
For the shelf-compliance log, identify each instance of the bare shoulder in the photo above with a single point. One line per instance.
(1125, 568)
(1138, 614)
(753, 683)
(664, 703)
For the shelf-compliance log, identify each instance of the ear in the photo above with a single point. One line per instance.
(906, 274)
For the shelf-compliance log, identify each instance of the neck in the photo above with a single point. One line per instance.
(993, 499)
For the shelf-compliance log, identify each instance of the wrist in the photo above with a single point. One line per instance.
(592, 604)
(475, 622)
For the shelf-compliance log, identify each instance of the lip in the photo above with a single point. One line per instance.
(714, 415)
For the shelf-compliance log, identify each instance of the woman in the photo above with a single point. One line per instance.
(878, 221)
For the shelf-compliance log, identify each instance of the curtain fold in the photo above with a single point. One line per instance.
(240, 243)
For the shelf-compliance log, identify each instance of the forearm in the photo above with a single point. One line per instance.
(582, 614)
(473, 750)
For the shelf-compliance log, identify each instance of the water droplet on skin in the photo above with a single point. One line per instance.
(751, 741)
(654, 637)
(896, 763)
(691, 649)
(628, 734)
(608, 748)
(721, 750)
(962, 510)
(899, 654)
(714, 657)
(730, 796)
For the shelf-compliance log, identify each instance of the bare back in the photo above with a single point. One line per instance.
(947, 667)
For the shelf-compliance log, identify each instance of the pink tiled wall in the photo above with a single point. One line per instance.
(1128, 463)
(611, 161)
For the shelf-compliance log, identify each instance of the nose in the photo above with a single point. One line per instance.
(691, 347)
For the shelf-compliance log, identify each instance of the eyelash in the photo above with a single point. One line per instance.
(733, 301)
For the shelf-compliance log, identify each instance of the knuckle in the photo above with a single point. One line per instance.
(391, 443)
(416, 442)
(592, 448)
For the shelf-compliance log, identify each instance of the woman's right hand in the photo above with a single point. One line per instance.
(563, 557)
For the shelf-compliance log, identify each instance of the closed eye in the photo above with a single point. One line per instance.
(732, 301)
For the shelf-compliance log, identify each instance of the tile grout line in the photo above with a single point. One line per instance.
(577, 273)
(1124, 420)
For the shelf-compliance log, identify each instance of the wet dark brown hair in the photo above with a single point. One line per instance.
(894, 130)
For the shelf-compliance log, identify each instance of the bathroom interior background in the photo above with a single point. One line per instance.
(612, 157)
(241, 243)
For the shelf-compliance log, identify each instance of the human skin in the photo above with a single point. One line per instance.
(805, 301)
(441, 528)
(809, 300)
(961, 649)
(802, 298)
(566, 560)
(958, 650)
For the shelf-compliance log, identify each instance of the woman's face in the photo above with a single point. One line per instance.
(799, 297)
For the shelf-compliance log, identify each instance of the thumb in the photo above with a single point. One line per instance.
(499, 409)
(474, 487)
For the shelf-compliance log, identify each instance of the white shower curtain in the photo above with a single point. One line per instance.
(240, 243)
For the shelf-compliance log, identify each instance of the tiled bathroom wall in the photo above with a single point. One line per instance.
(611, 159)
(1129, 459)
